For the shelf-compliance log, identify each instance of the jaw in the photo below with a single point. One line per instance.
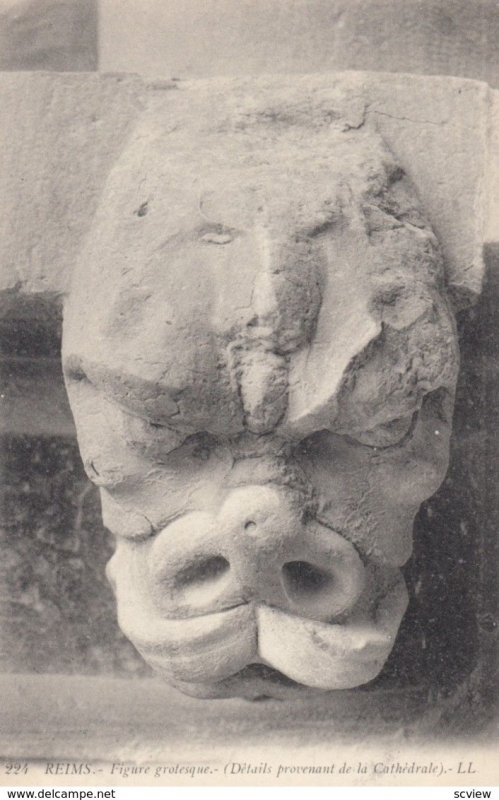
(257, 651)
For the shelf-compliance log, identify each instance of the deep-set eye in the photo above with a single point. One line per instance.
(201, 445)
(388, 434)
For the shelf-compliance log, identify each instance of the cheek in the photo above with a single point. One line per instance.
(160, 493)
(399, 483)
(107, 457)
(372, 497)
(355, 503)
(412, 473)
(340, 476)
(129, 575)
(409, 478)
(127, 570)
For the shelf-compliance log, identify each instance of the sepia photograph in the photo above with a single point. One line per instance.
(249, 394)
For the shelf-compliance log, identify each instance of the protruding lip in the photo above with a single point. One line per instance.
(321, 655)
(331, 656)
(214, 645)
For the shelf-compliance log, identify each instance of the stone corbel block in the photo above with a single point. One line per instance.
(62, 133)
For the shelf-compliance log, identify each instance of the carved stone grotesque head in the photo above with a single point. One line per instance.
(261, 362)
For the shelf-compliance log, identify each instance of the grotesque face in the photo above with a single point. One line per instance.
(261, 363)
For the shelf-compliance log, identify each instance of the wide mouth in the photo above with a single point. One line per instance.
(283, 644)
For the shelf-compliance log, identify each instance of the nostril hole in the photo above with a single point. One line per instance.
(202, 572)
(249, 525)
(302, 579)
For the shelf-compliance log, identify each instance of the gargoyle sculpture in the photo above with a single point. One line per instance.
(261, 361)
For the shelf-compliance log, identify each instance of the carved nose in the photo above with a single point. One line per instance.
(256, 549)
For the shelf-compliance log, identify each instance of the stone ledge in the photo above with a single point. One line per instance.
(87, 718)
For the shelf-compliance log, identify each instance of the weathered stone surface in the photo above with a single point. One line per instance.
(426, 122)
(262, 378)
(202, 38)
(60, 136)
(48, 35)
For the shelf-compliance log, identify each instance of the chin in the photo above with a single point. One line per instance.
(256, 682)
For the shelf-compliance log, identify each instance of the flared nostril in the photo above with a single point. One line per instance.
(202, 572)
(322, 592)
(304, 581)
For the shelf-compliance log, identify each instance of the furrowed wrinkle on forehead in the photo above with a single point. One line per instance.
(377, 395)
(184, 408)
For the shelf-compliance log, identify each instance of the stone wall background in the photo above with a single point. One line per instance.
(57, 611)
(204, 38)
(48, 35)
